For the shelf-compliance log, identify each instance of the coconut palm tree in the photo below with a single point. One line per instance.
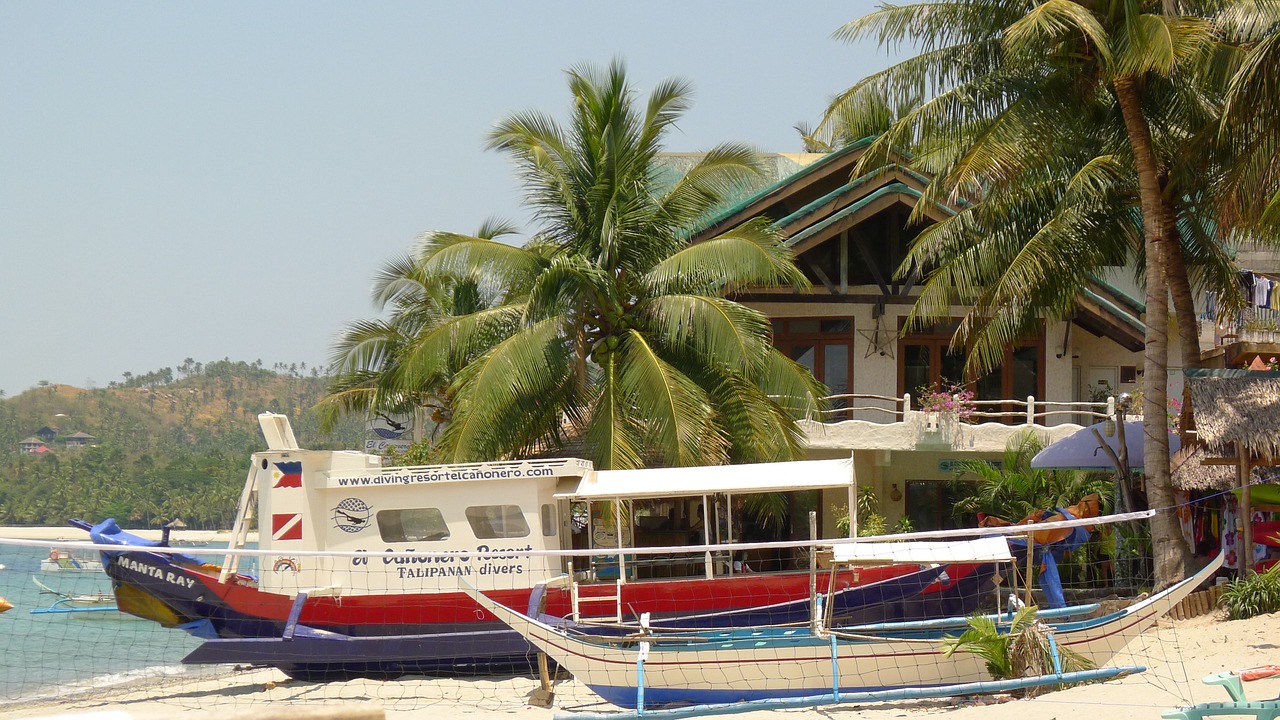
(368, 362)
(608, 325)
(1251, 117)
(1003, 73)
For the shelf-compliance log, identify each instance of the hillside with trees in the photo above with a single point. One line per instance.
(166, 444)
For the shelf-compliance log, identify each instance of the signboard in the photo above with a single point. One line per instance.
(388, 431)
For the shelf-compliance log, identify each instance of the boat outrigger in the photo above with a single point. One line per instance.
(80, 604)
(331, 522)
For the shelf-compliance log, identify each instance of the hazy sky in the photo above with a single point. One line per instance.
(222, 179)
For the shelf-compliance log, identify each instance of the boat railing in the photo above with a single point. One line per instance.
(885, 409)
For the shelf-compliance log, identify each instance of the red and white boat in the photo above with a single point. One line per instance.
(330, 601)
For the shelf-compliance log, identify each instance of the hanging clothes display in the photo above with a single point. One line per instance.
(1231, 534)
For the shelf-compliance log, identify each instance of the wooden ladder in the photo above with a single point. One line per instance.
(616, 598)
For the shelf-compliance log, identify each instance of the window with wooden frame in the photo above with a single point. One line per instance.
(824, 345)
(926, 360)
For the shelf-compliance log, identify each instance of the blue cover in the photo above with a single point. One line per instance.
(1049, 556)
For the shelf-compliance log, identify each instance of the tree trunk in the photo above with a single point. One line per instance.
(1184, 309)
(1166, 536)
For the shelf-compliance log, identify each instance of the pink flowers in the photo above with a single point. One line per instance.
(951, 399)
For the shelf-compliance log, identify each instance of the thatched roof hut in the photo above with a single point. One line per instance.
(1236, 406)
(1189, 473)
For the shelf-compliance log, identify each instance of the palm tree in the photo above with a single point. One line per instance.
(1014, 84)
(368, 362)
(608, 324)
(1251, 117)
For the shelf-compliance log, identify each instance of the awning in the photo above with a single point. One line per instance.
(987, 549)
(735, 479)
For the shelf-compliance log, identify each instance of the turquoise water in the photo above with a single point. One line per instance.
(56, 654)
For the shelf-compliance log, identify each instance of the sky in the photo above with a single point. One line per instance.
(223, 179)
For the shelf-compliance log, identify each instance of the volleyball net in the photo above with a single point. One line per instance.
(191, 625)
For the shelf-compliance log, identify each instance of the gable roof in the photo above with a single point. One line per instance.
(1101, 308)
(758, 202)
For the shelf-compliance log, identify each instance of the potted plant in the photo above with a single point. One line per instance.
(940, 402)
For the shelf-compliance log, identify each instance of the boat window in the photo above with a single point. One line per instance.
(497, 521)
(549, 520)
(412, 525)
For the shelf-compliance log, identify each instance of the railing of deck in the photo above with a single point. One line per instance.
(1030, 411)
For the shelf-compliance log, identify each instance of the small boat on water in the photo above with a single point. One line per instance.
(63, 561)
(83, 604)
(775, 663)
(384, 615)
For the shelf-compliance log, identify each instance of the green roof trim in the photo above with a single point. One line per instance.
(1134, 303)
(845, 190)
(896, 188)
(1125, 317)
(1228, 373)
(769, 189)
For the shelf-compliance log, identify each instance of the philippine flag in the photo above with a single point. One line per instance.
(288, 475)
(286, 526)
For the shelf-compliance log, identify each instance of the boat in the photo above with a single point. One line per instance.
(5, 605)
(506, 526)
(84, 604)
(771, 663)
(63, 561)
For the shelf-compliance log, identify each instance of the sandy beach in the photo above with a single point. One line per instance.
(1177, 654)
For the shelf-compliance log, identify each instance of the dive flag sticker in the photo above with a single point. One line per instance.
(287, 475)
(286, 526)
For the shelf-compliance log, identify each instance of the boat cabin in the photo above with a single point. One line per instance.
(309, 502)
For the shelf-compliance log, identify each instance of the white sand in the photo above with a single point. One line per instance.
(1178, 654)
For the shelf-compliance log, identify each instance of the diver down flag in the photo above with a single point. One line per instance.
(287, 475)
(286, 526)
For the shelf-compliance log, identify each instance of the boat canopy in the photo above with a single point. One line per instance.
(987, 549)
(733, 479)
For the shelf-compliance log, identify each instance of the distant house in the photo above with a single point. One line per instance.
(47, 433)
(32, 444)
(80, 440)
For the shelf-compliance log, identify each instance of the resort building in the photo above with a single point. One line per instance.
(849, 236)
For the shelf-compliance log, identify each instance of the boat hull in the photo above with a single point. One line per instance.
(797, 664)
(388, 635)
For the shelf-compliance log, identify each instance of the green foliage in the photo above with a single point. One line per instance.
(608, 325)
(423, 452)
(1013, 489)
(870, 521)
(1257, 594)
(1020, 650)
(172, 446)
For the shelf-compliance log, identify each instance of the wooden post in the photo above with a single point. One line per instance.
(813, 568)
(1245, 551)
(1031, 547)
(544, 695)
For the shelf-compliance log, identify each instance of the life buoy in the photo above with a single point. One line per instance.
(54, 555)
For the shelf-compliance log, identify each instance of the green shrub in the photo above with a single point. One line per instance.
(1017, 651)
(1257, 594)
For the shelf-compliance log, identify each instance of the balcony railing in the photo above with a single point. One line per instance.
(1030, 411)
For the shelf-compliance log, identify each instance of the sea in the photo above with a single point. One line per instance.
(49, 656)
